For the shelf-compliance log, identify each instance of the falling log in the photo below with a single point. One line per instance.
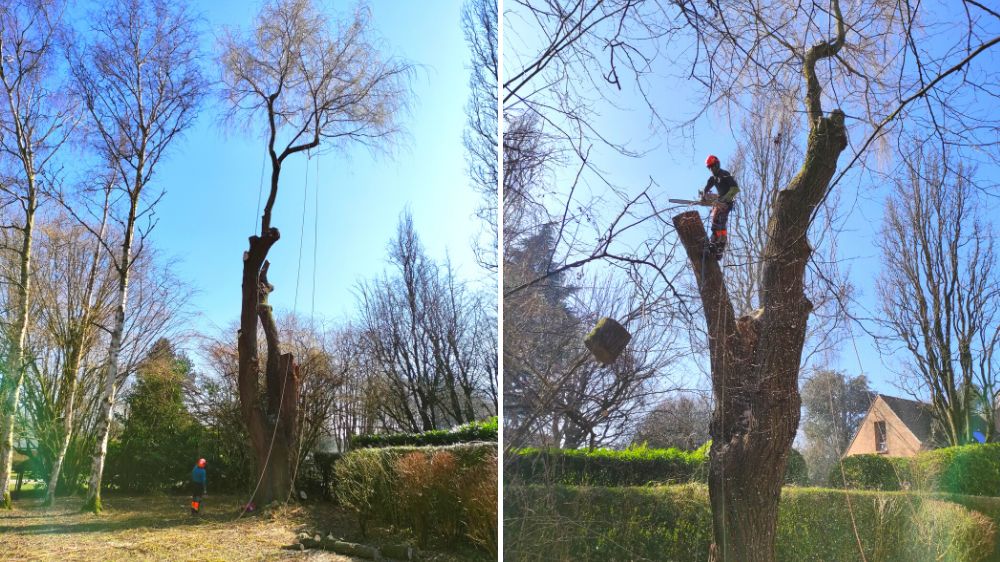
(607, 340)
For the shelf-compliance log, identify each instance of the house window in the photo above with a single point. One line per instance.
(880, 444)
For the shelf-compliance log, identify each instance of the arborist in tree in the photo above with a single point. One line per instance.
(722, 203)
(198, 486)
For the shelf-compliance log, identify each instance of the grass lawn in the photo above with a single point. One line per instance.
(160, 528)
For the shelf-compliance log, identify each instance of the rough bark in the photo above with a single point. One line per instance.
(755, 358)
(271, 422)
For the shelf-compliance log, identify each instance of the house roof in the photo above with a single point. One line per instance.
(916, 415)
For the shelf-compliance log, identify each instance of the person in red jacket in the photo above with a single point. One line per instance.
(199, 479)
(725, 185)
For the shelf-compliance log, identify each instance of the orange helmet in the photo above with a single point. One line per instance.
(711, 161)
(201, 463)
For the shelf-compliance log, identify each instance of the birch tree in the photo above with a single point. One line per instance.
(75, 333)
(35, 120)
(312, 85)
(139, 77)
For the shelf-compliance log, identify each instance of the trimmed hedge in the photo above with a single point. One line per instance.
(635, 466)
(969, 469)
(439, 493)
(471, 432)
(872, 472)
(675, 523)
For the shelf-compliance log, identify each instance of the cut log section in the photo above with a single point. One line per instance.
(331, 543)
(607, 340)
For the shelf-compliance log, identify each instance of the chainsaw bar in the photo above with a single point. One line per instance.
(691, 202)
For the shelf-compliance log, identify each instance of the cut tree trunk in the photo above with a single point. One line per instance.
(755, 358)
(271, 417)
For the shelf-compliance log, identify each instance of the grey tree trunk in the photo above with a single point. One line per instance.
(15, 362)
(93, 501)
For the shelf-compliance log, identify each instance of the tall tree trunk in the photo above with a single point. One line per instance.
(271, 418)
(79, 334)
(93, 501)
(11, 390)
(755, 359)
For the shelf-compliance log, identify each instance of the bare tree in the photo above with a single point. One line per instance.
(554, 392)
(71, 328)
(479, 22)
(72, 321)
(423, 336)
(35, 120)
(138, 74)
(939, 292)
(680, 421)
(312, 85)
(857, 60)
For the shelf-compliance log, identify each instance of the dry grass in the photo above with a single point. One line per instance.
(160, 528)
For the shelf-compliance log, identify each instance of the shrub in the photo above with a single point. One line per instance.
(480, 499)
(970, 469)
(871, 472)
(796, 472)
(635, 466)
(485, 430)
(421, 488)
(605, 467)
(674, 523)
(427, 494)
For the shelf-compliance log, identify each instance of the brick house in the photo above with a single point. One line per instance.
(893, 426)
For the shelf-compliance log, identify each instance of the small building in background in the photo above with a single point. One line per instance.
(895, 427)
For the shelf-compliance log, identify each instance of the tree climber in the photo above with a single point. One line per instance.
(722, 203)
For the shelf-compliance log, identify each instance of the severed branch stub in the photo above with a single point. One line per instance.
(607, 340)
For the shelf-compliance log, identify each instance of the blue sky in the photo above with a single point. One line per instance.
(212, 180)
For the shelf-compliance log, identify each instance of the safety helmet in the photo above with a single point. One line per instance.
(711, 161)
(201, 463)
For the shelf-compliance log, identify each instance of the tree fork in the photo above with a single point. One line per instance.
(755, 379)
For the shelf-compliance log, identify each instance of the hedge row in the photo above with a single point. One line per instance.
(485, 430)
(969, 469)
(635, 466)
(442, 494)
(675, 523)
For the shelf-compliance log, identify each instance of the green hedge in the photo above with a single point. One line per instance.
(606, 467)
(871, 472)
(968, 469)
(485, 430)
(674, 523)
(635, 466)
(439, 493)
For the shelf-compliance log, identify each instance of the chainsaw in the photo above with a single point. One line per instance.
(705, 199)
